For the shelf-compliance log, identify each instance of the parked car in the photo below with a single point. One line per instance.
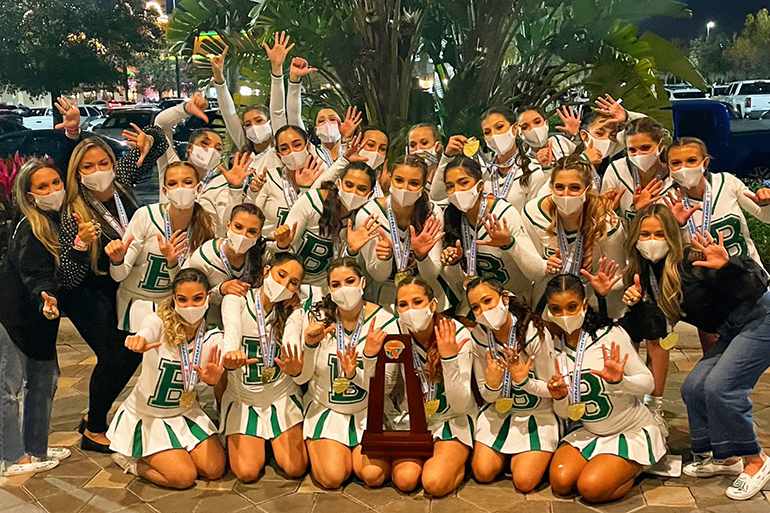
(183, 130)
(737, 146)
(749, 97)
(169, 102)
(119, 103)
(719, 89)
(43, 118)
(120, 119)
(685, 93)
(10, 124)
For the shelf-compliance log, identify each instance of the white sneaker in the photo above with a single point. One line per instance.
(34, 466)
(127, 464)
(657, 416)
(708, 467)
(746, 486)
(59, 453)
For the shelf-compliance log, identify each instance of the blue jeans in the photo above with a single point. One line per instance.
(27, 436)
(717, 390)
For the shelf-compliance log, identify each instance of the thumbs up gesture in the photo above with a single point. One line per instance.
(633, 294)
(50, 307)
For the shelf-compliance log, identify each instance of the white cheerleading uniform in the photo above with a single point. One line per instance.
(530, 424)
(251, 406)
(341, 417)
(218, 197)
(457, 410)
(537, 221)
(516, 267)
(519, 194)
(144, 276)
(151, 419)
(619, 177)
(383, 272)
(616, 421)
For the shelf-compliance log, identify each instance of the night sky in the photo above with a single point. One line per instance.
(729, 16)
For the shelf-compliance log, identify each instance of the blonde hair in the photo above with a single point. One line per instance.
(41, 225)
(670, 294)
(74, 202)
(173, 324)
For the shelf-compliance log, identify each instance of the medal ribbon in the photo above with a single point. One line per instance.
(428, 386)
(378, 190)
(340, 331)
(492, 345)
(512, 168)
(189, 374)
(401, 256)
(118, 225)
(571, 261)
(167, 221)
(325, 155)
(253, 165)
(706, 209)
(289, 193)
(265, 338)
(469, 240)
(206, 179)
(635, 173)
(574, 389)
(226, 262)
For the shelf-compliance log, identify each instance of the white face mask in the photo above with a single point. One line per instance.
(569, 323)
(239, 243)
(296, 159)
(416, 320)
(420, 151)
(646, 162)
(496, 316)
(182, 197)
(373, 158)
(329, 132)
(205, 158)
(653, 250)
(192, 314)
(259, 133)
(50, 202)
(688, 177)
(568, 205)
(603, 145)
(405, 198)
(98, 181)
(351, 200)
(464, 200)
(274, 291)
(502, 143)
(348, 298)
(537, 137)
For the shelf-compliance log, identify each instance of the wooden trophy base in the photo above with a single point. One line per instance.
(397, 443)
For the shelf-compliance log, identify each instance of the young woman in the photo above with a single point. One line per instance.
(534, 126)
(263, 336)
(727, 295)
(158, 239)
(29, 323)
(374, 148)
(575, 232)
(160, 432)
(484, 235)
(443, 357)
(424, 141)
(343, 336)
(319, 224)
(98, 204)
(233, 264)
(640, 177)
(512, 361)
(598, 382)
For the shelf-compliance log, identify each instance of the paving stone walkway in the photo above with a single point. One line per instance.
(92, 483)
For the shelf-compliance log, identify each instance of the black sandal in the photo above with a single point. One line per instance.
(89, 445)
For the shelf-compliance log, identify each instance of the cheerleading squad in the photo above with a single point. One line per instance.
(527, 276)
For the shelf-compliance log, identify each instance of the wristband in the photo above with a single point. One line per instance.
(79, 244)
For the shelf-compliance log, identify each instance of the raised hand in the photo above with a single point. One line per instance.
(237, 359)
(238, 173)
(197, 107)
(173, 248)
(277, 54)
(761, 198)
(446, 338)
(633, 294)
(557, 387)
(348, 362)
(70, 114)
(571, 120)
(455, 145)
(499, 234)
(384, 248)
(675, 204)
(217, 66)
(140, 140)
(284, 235)
(651, 193)
(518, 366)
(50, 306)
(594, 155)
(374, 340)
(494, 372)
(545, 156)
(613, 196)
(234, 287)
(315, 333)
(310, 172)
(138, 344)
(352, 121)
(291, 360)
(353, 148)
(452, 254)
(117, 250)
(605, 278)
(357, 239)
(431, 233)
(299, 68)
(212, 370)
(715, 253)
(259, 181)
(613, 367)
(554, 263)
(609, 107)
(87, 230)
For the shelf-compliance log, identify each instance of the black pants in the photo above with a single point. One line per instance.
(92, 309)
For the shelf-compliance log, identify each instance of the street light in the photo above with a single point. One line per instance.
(710, 25)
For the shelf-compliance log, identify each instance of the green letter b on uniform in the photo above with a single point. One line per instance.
(169, 388)
(157, 278)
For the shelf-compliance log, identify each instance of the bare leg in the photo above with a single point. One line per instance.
(607, 478)
(566, 467)
(752, 464)
(444, 472)
(331, 462)
(406, 474)
(372, 471)
(658, 363)
(173, 469)
(209, 458)
(486, 463)
(290, 451)
(247, 456)
(528, 469)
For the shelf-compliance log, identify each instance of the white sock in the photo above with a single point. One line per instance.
(653, 402)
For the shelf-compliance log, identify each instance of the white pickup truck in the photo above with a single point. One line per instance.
(43, 118)
(749, 97)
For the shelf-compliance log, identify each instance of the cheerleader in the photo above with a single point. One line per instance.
(160, 432)
(343, 336)
(575, 233)
(534, 126)
(409, 229)
(512, 361)
(443, 357)
(157, 241)
(263, 333)
(332, 131)
(484, 235)
(424, 141)
(598, 383)
(640, 178)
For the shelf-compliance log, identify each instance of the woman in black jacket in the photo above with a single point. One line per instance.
(30, 318)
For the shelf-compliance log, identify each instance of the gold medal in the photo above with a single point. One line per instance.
(268, 373)
(431, 407)
(339, 385)
(503, 405)
(670, 341)
(187, 399)
(401, 276)
(471, 147)
(576, 411)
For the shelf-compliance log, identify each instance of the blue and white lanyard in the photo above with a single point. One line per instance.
(207, 178)
(265, 338)
(574, 386)
(120, 224)
(706, 225)
(492, 345)
(378, 190)
(253, 166)
(401, 256)
(226, 263)
(428, 386)
(289, 193)
(325, 155)
(469, 239)
(571, 261)
(635, 173)
(353, 338)
(509, 178)
(167, 228)
(189, 374)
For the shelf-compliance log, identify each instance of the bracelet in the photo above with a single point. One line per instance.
(72, 131)
(79, 244)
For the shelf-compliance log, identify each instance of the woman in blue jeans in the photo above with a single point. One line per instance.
(29, 321)
(717, 294)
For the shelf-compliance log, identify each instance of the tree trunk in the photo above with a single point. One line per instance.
(57, 117)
